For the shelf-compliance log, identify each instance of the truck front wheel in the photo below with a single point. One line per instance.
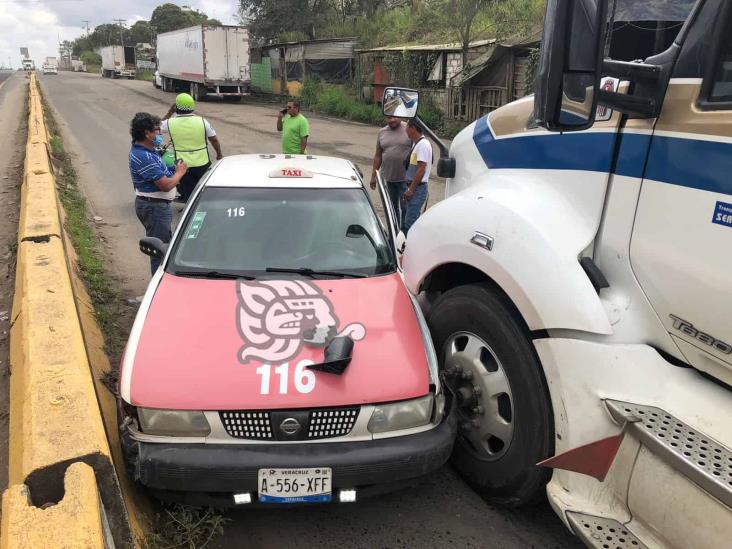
(505, 418)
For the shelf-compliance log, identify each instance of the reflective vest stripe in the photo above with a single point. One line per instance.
(188, 134)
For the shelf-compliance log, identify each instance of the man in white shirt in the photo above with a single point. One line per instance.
(419, 167)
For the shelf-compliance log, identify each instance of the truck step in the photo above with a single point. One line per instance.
(698, 457)
(602, 533)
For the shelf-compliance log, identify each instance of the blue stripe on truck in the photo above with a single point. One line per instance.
(693, 163)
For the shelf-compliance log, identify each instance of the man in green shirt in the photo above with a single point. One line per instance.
(294, 127)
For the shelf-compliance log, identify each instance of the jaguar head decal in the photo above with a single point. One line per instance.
(277, 317)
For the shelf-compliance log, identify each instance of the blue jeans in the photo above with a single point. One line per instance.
(413, 208)
(396, 190)
(157, 218)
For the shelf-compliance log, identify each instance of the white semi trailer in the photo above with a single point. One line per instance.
(118, 62)
(205, 60)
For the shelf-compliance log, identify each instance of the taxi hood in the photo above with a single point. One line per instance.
(239, 345)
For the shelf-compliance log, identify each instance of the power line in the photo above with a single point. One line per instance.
(121, 23)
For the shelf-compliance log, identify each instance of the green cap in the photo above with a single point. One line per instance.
(185, 102)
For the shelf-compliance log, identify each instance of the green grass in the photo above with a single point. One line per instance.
(185, 527)
(340, 101)
(94, 69)
(104, 294)
(147, 76)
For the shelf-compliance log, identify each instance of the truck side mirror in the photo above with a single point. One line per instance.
(400, 102)
(570, 64)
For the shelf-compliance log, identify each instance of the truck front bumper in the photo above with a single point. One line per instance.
(212, 473)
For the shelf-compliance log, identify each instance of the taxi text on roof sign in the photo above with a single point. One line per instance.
(290, 172)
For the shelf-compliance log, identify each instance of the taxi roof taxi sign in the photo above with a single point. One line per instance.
(290, 173)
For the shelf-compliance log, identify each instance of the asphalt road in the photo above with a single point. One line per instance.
(442, 511)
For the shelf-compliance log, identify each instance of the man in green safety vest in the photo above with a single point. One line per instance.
(189, 134)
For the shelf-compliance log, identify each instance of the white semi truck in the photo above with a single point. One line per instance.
(118, 62)
(578, 284)
(205, 60)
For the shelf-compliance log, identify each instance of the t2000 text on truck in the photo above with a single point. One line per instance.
(578, 284)
(205, 61)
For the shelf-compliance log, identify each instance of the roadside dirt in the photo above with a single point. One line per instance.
(13, 117)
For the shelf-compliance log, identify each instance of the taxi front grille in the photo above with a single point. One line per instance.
(316, 424)
(252, 425)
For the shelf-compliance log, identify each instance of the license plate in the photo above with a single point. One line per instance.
(294, 485)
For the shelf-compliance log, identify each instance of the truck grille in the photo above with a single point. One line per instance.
(320, 423)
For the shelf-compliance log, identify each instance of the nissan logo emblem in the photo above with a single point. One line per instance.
(290, 426)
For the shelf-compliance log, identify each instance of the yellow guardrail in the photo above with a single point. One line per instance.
(64, 491)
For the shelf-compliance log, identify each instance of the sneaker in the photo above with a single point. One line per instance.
(135, 301)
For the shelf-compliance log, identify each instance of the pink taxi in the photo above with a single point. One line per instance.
(277, 356)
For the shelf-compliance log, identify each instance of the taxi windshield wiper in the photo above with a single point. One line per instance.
(213, 274)
(306, 271)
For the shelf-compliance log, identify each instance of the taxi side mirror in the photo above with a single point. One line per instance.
(154, 247)
(355, 231)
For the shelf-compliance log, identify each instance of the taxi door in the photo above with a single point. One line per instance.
(681, 248)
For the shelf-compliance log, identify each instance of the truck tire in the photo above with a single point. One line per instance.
(196, 92)
(505, 419)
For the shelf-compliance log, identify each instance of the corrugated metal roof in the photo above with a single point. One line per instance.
(430, 47)
(328, 50)
(306, 42)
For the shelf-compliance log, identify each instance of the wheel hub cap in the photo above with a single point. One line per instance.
(483, 395)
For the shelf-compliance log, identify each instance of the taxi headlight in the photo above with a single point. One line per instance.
(406, 414)
(173, 423)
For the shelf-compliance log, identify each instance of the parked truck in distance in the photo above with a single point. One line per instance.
(118, 61)
(204, 60)
(29, 65)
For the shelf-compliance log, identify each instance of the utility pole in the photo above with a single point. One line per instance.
(121, 23)
(87, 26)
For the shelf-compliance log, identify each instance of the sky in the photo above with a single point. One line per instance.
(40, 24)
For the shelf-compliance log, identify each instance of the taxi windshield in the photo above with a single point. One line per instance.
(250, 230)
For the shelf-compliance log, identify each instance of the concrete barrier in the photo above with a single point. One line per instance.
(55, 422)
(75, 522)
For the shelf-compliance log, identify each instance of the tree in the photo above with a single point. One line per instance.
(168, 17)
(464, 13)
(270, 18)
(141, 31)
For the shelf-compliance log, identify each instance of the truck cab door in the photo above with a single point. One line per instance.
(681, 249)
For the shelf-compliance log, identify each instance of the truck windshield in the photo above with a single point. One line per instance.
(248, 230)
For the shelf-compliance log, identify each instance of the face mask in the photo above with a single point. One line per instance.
(158, 140)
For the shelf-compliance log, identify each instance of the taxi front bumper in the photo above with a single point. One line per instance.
(220, 470)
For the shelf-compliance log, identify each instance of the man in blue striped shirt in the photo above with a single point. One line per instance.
(154, 183)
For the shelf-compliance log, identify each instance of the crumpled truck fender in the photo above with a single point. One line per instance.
(540, 221)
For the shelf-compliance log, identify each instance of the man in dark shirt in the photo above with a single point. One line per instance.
(154, 183)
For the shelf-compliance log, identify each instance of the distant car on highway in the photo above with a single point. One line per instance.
(49, 69)
(277, 356)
